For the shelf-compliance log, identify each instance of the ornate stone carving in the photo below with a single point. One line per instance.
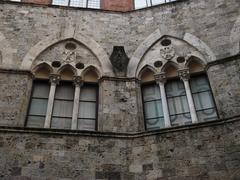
(160, 78)
(167, 52)
(119, 60)
(78, 81)
(54, 78)
(69, 56)
(184, 74)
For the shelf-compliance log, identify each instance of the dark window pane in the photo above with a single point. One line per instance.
(203, 98)
(35, 121)
(61, 123)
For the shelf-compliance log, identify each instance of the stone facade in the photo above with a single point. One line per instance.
(120, 148)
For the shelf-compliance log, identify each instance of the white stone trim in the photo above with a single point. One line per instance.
(92, 45)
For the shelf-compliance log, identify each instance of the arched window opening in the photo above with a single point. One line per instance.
(42, 71)
(152, 103)
(176, 98)
(91, 76)
(38, 104)
(67, 74)
(39, 97)
(66, 102)
(88, 102)
(63, 106)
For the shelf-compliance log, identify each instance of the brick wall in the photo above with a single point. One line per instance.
(117, 5)
(38, 1)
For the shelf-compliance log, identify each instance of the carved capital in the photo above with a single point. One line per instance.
(160, 78)
(78, 81)
(54, 78)
(184, 74)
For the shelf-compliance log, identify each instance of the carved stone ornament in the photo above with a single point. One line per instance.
(184, 74)
(78, 81)
(167, 52)
(119, 59)
(54, 78)
(160, 78)
(69, 56)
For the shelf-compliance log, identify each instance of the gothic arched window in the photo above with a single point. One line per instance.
(177, 96)
(67, 102)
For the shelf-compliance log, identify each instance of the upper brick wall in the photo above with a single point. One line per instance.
(38, 1)
(118, 5)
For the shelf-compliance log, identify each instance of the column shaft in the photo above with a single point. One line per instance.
(50, 105)
(75, 107)
(190, 102)
(164, 105)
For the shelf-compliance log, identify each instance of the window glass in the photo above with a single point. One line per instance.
(87, 107)
(147, 3)
(94, 4)
(78, 3)
(38, 104)
(152, 107)
(63, 106)
(177, 103)
(60, 2)
(203, 98)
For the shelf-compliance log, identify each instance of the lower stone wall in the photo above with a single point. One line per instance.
(204, 151)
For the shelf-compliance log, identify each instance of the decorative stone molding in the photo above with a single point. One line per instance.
(160, 78)
(92, 45)
(184, 74)
(167, 52)
(78, 81)
(54, 78)
(69, 56)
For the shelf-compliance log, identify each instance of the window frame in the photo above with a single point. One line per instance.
(52, 116)
(203, 73)
(30, 98)
(96, 85)
(86, 5)
(142, 84)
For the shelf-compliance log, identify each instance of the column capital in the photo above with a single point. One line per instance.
(160, 78)
(54, 78)
(184, 74)
(78, 81)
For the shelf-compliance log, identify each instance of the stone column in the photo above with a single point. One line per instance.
(54, 79)
(185, 76)
(161, 80)
(78, 83)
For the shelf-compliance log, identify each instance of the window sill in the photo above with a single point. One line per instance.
(81, 133)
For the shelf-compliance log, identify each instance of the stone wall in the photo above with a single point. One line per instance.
(210, 21)
(15, 93)
(207, 151)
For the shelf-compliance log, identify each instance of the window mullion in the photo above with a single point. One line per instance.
(54, 79)
(78, 83)
(184, 75)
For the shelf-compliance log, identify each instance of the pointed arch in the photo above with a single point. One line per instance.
(170, 69)
(88, 42)
(148, 70)
(91, 73)
(42, 70)
(155, 37)
(67, 67)
(195, 65)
